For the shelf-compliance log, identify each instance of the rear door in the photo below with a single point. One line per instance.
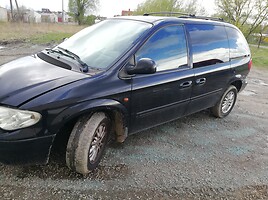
(211, 63)
(163, 96)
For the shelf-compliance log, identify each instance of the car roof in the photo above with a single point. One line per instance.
(185, 20)
(149, 19)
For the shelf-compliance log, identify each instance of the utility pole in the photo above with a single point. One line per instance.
(63, 16)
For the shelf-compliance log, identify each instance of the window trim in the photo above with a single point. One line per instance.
(188, 65)
(191, 45)
(240, 35)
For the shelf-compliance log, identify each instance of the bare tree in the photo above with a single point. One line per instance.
(18, 9)
(260, 30)
(11, 8)
(15, 16)
(248, 15)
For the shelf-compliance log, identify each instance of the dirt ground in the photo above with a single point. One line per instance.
(195, 157)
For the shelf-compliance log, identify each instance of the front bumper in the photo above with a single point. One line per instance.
(26, 151)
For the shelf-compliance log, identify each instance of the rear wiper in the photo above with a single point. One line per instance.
(84, 67)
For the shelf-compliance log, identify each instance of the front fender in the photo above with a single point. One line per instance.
(82, 108)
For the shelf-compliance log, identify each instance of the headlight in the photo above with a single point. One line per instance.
(13, 119)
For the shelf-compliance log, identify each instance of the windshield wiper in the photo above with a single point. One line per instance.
(59, 52)
(84, 65)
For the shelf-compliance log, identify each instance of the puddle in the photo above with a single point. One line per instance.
(248, 93)
(1, 48)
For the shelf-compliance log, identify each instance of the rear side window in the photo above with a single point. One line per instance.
(209, 44)
(167, 47)
(238, 44)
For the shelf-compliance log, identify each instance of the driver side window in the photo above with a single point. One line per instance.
(167, 47)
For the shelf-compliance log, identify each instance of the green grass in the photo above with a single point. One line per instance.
(259, 57)
(36, 33)
(49, 38)
(264, 44)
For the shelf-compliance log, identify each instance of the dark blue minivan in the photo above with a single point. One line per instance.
(116, 78)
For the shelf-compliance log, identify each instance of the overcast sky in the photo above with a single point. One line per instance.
(108, 8)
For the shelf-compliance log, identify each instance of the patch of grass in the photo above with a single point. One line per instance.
(264, 44)
(259, 57)
(49, 38)
(36, 33)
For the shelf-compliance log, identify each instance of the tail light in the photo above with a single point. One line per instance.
(250, 64)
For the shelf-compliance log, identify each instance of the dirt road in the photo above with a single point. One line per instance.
(196, 157)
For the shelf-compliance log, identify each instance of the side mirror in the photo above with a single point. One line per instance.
(143, 66)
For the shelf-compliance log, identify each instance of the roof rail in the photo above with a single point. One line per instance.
(184, 15)
(167, 13)
(203, 17)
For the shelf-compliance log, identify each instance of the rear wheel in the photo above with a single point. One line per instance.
(87, 142)
(226, 103)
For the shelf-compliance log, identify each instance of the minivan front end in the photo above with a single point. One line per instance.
(36, 90)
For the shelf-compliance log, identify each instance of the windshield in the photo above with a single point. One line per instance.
(101, 44)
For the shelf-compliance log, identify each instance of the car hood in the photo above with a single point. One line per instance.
(23, 79)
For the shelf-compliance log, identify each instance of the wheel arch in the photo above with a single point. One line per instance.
(237, 84)
(116, 111)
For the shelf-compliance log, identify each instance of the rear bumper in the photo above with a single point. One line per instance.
(26, 151)
(244, 84)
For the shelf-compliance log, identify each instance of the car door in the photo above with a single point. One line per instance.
(211, 63)
(164, 95)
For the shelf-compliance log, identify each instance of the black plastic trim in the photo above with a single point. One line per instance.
(53, 61)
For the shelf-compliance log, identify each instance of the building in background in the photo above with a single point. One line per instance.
(60, 19)
(3, 14)
(47, 16)
(31, 16)
(127, 12)
(67, 17)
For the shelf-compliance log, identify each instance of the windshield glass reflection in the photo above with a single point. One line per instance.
(101, 44)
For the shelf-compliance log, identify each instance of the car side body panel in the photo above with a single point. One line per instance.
(143, 100)
(159, 98)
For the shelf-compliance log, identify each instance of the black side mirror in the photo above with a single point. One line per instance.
(143, 66)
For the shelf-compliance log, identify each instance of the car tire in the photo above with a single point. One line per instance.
(87, 142)
(226, 103)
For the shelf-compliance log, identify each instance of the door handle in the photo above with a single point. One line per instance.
(200, 81)
(186, 84)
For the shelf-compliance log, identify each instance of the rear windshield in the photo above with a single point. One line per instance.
(101, 44)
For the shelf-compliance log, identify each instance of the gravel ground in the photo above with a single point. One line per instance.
(195, 157)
